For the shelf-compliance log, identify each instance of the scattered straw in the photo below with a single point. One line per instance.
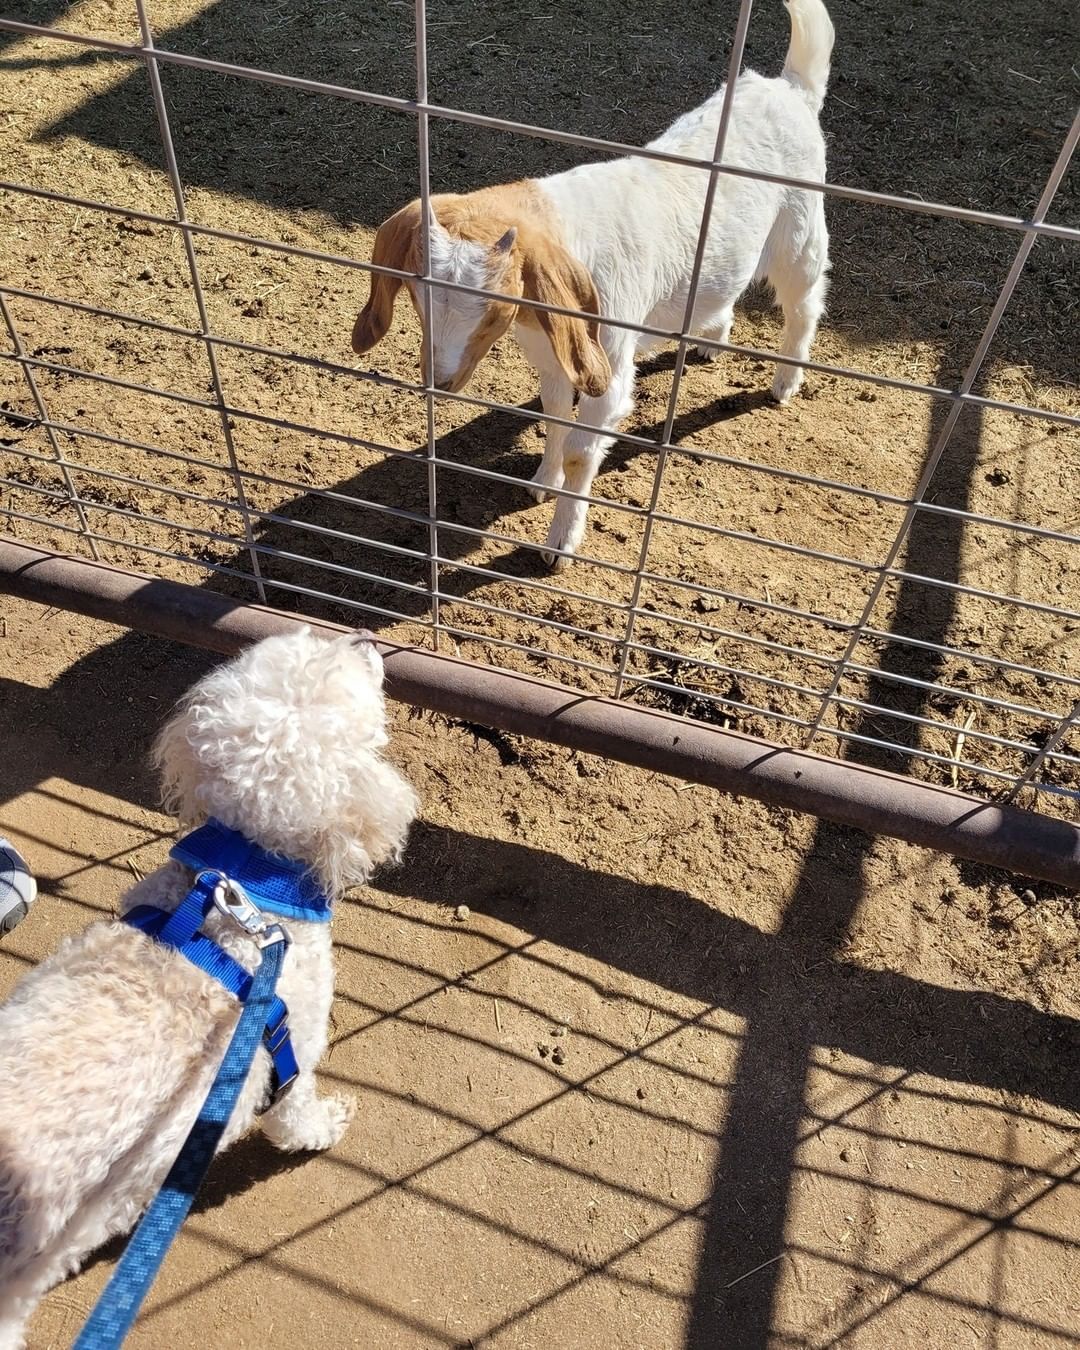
(771, 1261)
(961, 736)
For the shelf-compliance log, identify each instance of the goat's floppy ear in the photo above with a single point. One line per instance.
(396, 245)
(549, 273)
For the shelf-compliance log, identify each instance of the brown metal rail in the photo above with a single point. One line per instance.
(849, 794)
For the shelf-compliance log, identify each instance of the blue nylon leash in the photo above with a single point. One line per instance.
(119, 1305)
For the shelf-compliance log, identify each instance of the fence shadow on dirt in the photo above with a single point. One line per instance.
(967, 1037)
(720, 963)
(878, 1016)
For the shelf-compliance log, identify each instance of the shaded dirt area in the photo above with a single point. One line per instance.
(817, 1089)
(721, 967)
(935, 104)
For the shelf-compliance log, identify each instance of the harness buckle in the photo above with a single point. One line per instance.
(272, 933)
(233, 901)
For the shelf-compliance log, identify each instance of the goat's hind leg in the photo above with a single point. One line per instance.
(718, 327)
(801, 284)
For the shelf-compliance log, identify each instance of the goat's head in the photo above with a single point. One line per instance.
(475, 244)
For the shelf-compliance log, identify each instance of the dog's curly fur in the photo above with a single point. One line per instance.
(108, 1048)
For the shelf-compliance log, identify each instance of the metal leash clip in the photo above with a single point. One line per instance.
(232, 900)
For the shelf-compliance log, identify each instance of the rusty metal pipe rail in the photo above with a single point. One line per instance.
(836, 790)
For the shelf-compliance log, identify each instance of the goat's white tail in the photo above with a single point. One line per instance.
(807, 62)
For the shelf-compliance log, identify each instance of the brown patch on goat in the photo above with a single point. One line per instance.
(538, 267)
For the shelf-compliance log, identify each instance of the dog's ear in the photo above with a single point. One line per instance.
(551, 274)
(178, 773)
(397, 245)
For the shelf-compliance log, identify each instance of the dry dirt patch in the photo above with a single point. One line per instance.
(816, 1088)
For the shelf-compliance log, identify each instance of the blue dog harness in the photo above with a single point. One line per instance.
(242, 881)
(275, 884)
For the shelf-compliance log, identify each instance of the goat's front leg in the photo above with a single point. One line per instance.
(583, 452)
(557, 397)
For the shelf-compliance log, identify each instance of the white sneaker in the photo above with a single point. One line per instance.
(18, 889)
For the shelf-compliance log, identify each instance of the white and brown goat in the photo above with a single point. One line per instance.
(618, 239)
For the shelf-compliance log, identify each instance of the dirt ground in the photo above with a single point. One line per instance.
(817, 1089)
(937, 104)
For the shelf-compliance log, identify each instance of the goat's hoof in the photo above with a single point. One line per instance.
(539, 486)
(557, 562)
(785, 387)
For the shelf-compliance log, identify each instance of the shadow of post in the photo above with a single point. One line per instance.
(750, 1199)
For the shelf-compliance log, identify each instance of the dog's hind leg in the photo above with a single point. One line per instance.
(16, 1312)
(23, 1286)
(26, 1237)
(40, 1246)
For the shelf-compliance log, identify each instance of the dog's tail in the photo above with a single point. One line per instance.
(806, 65)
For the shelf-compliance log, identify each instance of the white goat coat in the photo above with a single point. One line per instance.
(623, 236)
(634, 223)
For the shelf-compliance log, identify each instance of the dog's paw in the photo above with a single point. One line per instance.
(319, 1126)
(328, 1119)
(706, 353)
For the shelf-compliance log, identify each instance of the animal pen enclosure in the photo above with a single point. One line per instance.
(890, 615)
(883, 573)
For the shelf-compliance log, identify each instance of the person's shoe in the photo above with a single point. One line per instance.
(18, 888)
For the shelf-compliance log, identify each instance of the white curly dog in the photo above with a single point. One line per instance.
(109, 1047)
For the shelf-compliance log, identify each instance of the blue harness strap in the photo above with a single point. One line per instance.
(275, 884)
(177, 930)
(118, 1306)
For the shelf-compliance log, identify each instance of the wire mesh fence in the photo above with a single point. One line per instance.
(837, 575)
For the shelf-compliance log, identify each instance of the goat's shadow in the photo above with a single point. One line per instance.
(346, 538)
(318, 541)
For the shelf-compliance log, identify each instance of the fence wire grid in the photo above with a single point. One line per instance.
(689, 594)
